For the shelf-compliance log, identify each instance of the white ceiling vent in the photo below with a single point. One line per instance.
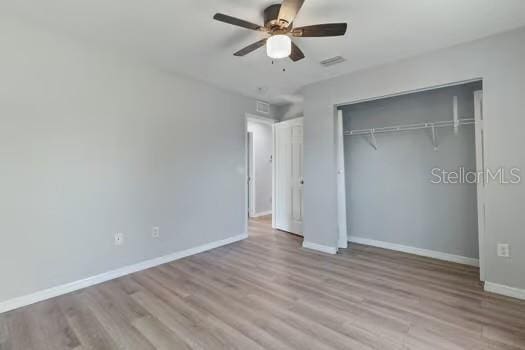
(332, 61)
(262, 107)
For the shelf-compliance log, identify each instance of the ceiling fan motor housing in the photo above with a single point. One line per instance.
(271, 14)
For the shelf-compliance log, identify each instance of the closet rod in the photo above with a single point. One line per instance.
(409, 127)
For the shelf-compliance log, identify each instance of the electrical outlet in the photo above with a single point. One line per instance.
(155, 232)
(503, 250)
(119, 238)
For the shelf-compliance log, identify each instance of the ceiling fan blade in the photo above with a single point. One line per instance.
(296, 54)
(321, 30)
(236, 21)
(250, 48)
(289, 10)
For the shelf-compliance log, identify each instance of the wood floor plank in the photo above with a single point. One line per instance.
(55, 331)
(4, 335)
(89, 330)
(197, 322)
(123, 334)
(115, 300)
(128, 285)
(267, 292)
(263, 318)
(198, 333)
(20, 334)
(159, 335)
(327, 336)
(237, 316)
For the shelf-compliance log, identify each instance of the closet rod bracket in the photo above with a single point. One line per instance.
(434, 136)
(455, 111)
(373, 140)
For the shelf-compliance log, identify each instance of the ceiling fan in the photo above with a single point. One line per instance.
(278, 23)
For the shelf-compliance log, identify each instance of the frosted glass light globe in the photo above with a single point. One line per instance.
(278, 46)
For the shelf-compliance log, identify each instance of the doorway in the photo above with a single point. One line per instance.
(259, 163)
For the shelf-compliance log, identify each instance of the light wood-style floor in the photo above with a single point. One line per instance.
(268, 293)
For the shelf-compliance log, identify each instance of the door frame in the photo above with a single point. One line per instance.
(258, 119)
(251, 176)
(289, 122)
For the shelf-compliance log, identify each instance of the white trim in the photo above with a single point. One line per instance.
(407, 92)
(341, 184)
(36, 297)
(251, 175)
(319, 247)
(263, 213)
(259, 119)
(505, 290)
(274, 172)
(246, 212)
(416, 251)
(480, 138)
(290, 122)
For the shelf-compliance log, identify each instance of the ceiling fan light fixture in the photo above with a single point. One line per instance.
(279, 29)
(279, 46)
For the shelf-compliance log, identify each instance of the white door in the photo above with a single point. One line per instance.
(341, 183)
(288, 176)
(480, 165)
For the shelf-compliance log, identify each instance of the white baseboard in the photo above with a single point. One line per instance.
(264, 213)
(36, 297)
(319, 247)
(416, 251)
(505, 290)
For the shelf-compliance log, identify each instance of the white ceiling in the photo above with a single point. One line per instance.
(180, 35)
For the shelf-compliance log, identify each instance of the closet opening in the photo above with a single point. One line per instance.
(411, 173)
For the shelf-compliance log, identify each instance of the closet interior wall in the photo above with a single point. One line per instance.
(389, 191)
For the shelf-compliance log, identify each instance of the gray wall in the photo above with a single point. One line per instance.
(289, 111)
(92, 144)
(500, 61)
(263, 150)
(390, 194)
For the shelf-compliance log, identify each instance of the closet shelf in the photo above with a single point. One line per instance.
(456, 123)
(409, 127)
